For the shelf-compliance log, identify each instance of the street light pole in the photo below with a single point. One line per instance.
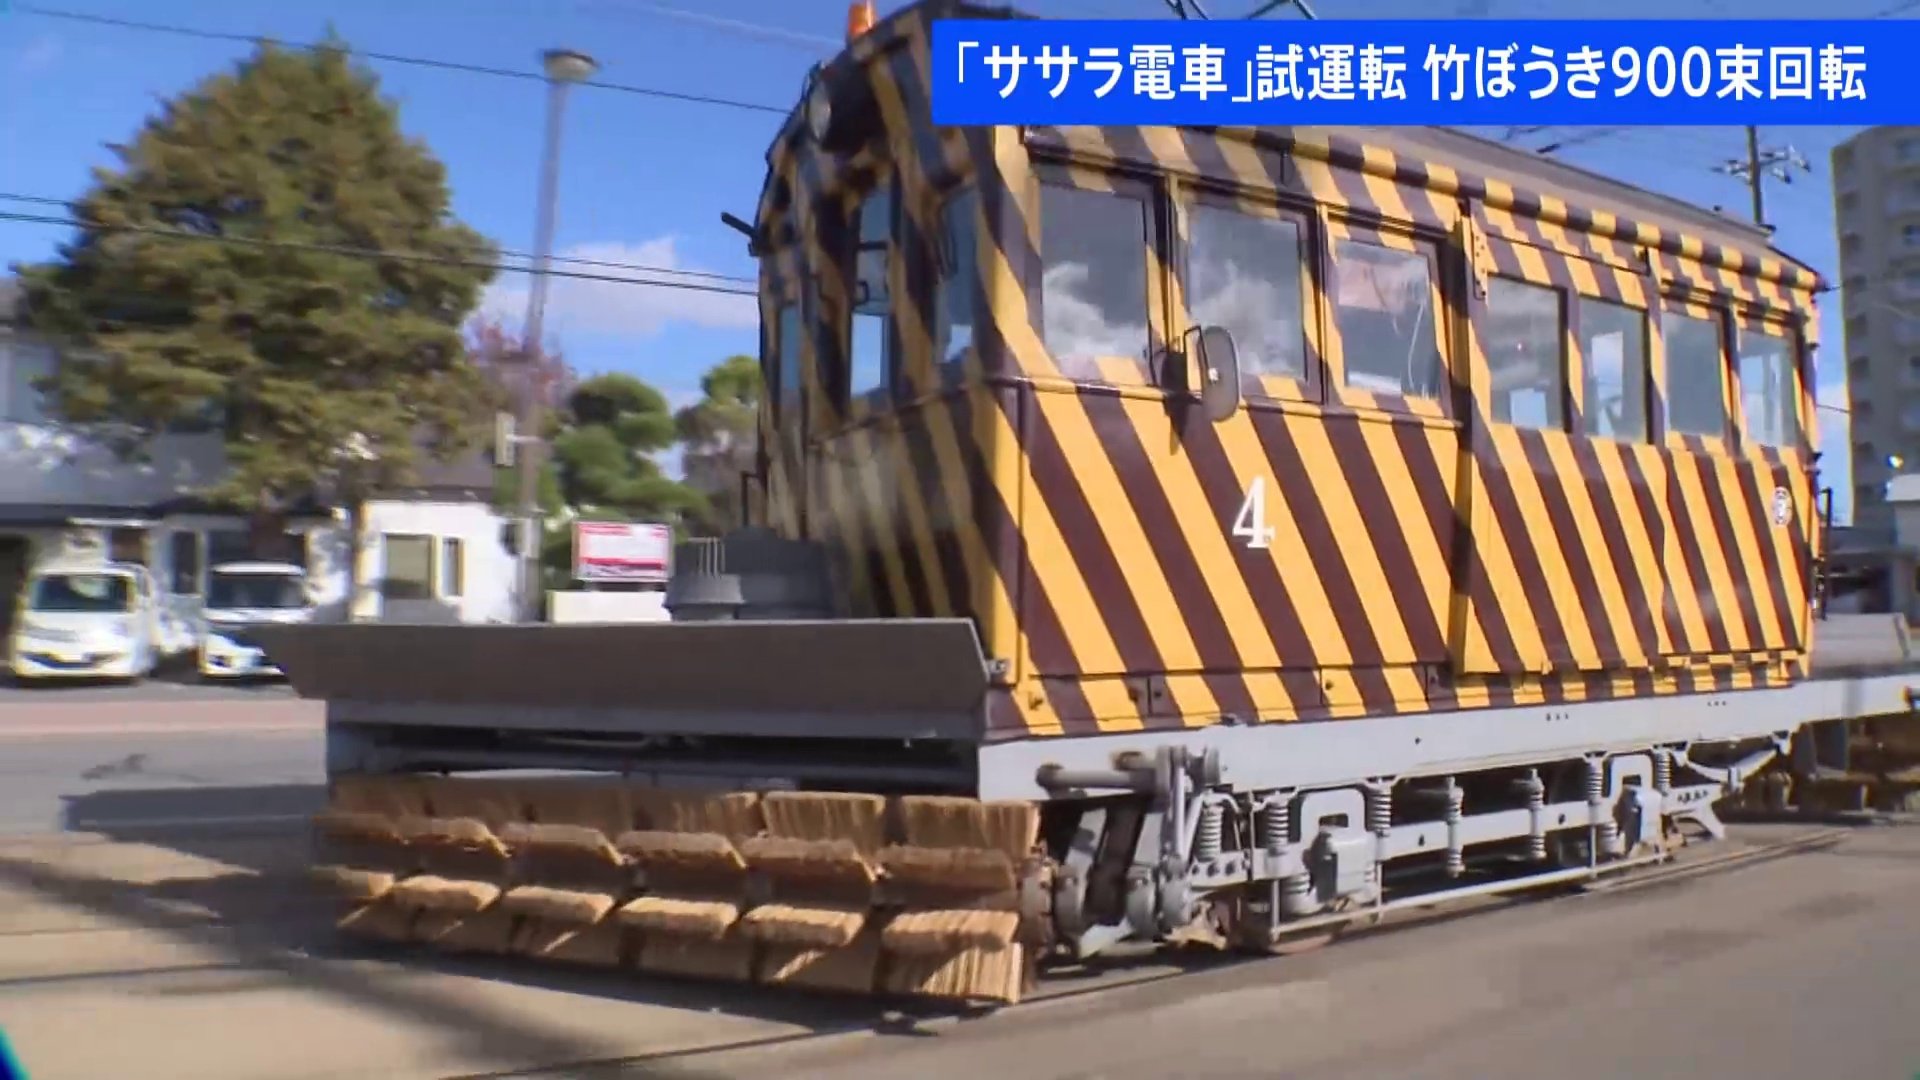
(564, 67)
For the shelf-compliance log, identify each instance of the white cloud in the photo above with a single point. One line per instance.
(581, 306)
(39, 55)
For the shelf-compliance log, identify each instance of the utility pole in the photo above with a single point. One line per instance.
(563, 68)
(1779, 162)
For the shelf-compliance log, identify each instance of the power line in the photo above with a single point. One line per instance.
(368, 253)
(389, 58)
(1778, 162)
(642, 268)
(812, 42)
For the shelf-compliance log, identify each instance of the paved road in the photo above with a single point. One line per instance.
(108, 766)
(1805, 967)
(166, 688)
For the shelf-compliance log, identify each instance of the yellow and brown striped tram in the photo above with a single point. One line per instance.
(1258, 528)
(1506, 432)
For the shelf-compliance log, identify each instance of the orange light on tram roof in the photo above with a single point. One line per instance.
(860, 19)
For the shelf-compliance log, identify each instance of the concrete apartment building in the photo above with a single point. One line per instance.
(1876, 191)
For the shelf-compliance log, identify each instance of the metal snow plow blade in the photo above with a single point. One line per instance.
(916, 895)
(894, 678)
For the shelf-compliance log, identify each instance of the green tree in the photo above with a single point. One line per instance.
(328, 373)
(718, 435)
(605, 453)
(602, 467)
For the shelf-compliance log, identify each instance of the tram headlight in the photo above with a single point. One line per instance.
(819, 109)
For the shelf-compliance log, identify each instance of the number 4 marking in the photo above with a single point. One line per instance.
(1250, 524)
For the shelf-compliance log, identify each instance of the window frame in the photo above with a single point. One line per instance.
(1150, 192)
(427, 590)
(946, 367)
(1563, 320)
(452, 552)
(1311, 386)
(1696, 306)
(1651, 418)
(1336, 226)
(194, 544)
(847, 405)
(1788, 330)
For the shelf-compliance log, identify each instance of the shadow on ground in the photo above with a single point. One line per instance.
(268, 928)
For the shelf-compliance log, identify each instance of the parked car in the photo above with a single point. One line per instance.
(241, 595)
(92, 621)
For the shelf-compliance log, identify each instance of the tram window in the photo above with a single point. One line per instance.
(959, 275)
(787, 358)
(1383, 309)
(1766, 388)
(1244, 275)
(1696, 402)
(872, 315)
(1093, 287)
(1613, 348)
(1526, 355)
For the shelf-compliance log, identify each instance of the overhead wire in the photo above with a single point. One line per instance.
(374, 254)
(571, 260)
(386, 57)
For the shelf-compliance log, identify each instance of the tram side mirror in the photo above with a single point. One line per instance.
(1219, 364)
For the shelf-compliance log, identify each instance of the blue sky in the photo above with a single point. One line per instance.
(644, 179)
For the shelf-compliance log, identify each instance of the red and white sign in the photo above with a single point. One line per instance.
(621, 551)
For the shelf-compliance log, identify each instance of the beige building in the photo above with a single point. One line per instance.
(1876, 191)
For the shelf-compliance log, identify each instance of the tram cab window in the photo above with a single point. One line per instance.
(1093, 287)
(1766, 388)
(1383, 308)
(1243, 273)
(872, 318)
(958, 278)
(1526, 355)
(786, 356)
(1613, 348)
(1696, 402)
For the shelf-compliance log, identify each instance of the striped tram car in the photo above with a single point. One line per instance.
(1255, 528)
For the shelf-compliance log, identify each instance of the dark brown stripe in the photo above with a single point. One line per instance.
(1555, 501)
(1504, 505)
(1390, 545)
(1120, 442)
(1086, 541)
(1692, 534)
(1375, 691)
(1351, 189)
(1707, 468)
(1653, 524)
(1203, 149)
(939, 488)
(1453, 532)
(1613, 533)
(1756, 505)
(1279, 613)
(1291, 479)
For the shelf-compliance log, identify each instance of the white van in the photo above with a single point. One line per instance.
(94, 621)
(243, 594)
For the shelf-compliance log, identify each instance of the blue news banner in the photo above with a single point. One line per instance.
(1561, 72)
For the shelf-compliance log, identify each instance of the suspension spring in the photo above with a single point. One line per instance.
(1212, 826)
(1536, 815)
(1608, 830)
(1276, 823)
(1456, 857)
(1663, 771)
(1379, 809)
